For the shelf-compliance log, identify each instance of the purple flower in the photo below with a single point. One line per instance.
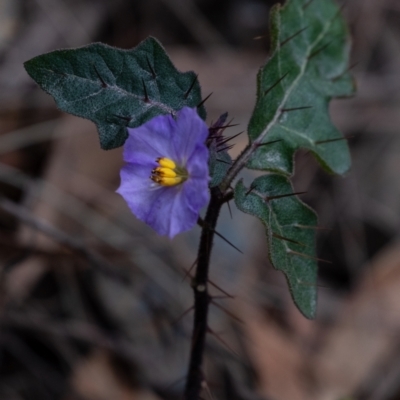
(165, 178)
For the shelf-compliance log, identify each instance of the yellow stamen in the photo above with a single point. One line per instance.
(164, 172)
(164, 181)
(168, 173)
(166, 162)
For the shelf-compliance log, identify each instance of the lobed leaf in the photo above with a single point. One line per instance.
(307, 68)
(115, 88)
(290, 228)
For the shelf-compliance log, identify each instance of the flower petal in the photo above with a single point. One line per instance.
(190, 131)
(170, 213)
(197, 164)
(137, 189)
(196, 187)
(196, 193)
(168, 209)
(152, 139)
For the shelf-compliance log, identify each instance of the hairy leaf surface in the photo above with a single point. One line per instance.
(307, 68)
(115, 88)
(290, 227)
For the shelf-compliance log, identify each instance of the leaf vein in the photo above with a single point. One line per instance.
(295, 81)
(297, 133)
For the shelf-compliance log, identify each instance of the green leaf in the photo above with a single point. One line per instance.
(290, 227)
(307, 68)
(219, 163)
(115, 88)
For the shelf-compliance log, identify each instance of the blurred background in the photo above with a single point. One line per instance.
(95, 306)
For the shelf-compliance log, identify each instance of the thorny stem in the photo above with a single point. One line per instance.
(241, 161)
(219, 196)
(195, 376)
(238, 165)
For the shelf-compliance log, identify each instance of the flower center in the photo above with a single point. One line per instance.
(168, 173)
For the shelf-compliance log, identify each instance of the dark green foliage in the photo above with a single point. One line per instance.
(290, 227)
(308, 67)
(115, 88)
(219, 163)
